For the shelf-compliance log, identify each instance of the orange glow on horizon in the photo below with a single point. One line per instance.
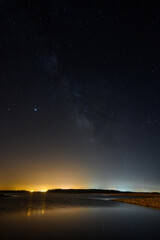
(43, 190)
(59, 176)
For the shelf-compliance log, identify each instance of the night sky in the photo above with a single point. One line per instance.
(79, 95)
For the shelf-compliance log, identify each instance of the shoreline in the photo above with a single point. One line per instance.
(150, 201)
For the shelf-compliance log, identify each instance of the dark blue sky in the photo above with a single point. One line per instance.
(79, 95)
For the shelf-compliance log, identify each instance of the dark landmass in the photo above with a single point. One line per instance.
(82, 191)
(8, 193)
(4, 195)
(2, 192)
(59, 190)
(105, 191)
(13, 191)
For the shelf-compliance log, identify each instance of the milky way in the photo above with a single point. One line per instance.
(79, 95)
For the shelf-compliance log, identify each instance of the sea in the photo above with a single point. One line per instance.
(47, 216)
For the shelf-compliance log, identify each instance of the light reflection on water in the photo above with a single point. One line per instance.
(41, 205)
(61, 216)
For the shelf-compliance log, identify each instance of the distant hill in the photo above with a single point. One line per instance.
(82, 191)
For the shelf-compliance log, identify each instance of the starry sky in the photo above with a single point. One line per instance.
(79, 95)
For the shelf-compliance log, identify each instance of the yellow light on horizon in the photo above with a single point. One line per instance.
(43, 190)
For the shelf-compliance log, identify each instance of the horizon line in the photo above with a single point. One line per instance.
(77, 189)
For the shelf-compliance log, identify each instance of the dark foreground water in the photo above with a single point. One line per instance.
(75, 216)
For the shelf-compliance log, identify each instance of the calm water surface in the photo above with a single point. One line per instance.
(75, 216)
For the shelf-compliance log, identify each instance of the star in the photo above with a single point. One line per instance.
(35, 109)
